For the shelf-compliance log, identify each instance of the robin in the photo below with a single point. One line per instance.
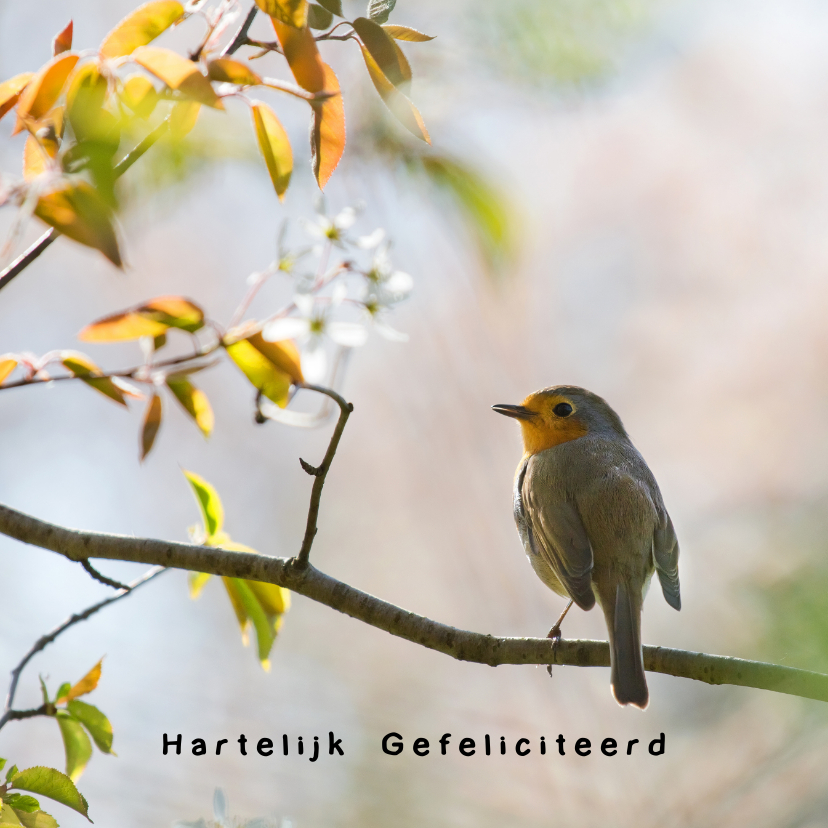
(592, 520)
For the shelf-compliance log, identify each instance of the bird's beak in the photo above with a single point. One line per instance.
(519, 412)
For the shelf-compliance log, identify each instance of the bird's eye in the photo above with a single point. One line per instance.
(562, 410)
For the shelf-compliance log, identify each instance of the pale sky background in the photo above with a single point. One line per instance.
(672, 258)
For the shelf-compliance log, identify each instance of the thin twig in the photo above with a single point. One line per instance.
(241, 35)
(47, 639)
(460, 644)
(321, 472)
(102, 578)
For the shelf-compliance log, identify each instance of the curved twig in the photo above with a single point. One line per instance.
(45, 640)
(321, 472)
(98, 576)
(460, 644)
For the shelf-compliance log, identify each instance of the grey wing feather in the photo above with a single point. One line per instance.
(557, 534)
(665, 555)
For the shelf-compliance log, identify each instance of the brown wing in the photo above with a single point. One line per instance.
(665, 557)
(557, 534)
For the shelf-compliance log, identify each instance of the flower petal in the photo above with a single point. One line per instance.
(290, 327)
(345, 219)
(389, 333)
(314, 365)
(371, 241)
(349, 334)
(399, 283)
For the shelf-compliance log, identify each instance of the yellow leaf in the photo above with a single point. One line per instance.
(274, 146)
(197, 582)
(238, 608)
(76, 209)
(292, 12)
(43, 90)
(402, 108)
(228, 70)
(262, 373)
(7, 365)
(284, 355)
(152, 422)
(152, 318)
(314, 75)
(406, 33)
(86, 685)
(209, 502)
(178, 73)
(62, 42)
(139, 95)
(11, 90)
(83, 368)
(194, 400)
(183, 118)
(275, 600)
(141, 27)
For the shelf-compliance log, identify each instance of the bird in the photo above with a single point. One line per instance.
(592, 520)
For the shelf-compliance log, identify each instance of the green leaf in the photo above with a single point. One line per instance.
(43, 691)
(380, 9)
(212, 512)
(319, 17)
(95, 722)
(52, 784)
(21, 802)
(76, 744)
(37, 819)
(152, 422)
(265, 635)
(63, 689)
(82, 367)
(11, 772)
(484, 207)
(194, 401)
(384, 50)
(333, 6)
(3, 763)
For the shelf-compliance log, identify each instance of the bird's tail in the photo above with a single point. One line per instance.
(629, 686)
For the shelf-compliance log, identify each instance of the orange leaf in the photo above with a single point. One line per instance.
(274, 146)
(314, 75)
(328, 131)
(83, 368)
(178, 73)
(78, 211)
(302, 56)
(271, 367)
(36, 156)
(194, 401)
(141, 27)
(62, 42)
(152, 422)
(86, 685)
(384, 50)
(228, 70)
(43, 90)
(152, 318)
(292, 12)
(139, 95)
(402, 109)
(407, 33)
(11, 90)
(7, 365)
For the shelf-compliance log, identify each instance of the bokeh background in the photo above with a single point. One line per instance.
(660, 239)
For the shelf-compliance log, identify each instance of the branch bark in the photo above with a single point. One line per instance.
(460, 644)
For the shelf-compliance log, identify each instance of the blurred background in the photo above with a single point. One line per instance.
(641, 210)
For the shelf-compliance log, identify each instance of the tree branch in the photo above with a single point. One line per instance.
(45, 640)
(460, 644)
(102, 578)
(321, 472)
(240, 38)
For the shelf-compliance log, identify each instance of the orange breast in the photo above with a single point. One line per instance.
(538, 437)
